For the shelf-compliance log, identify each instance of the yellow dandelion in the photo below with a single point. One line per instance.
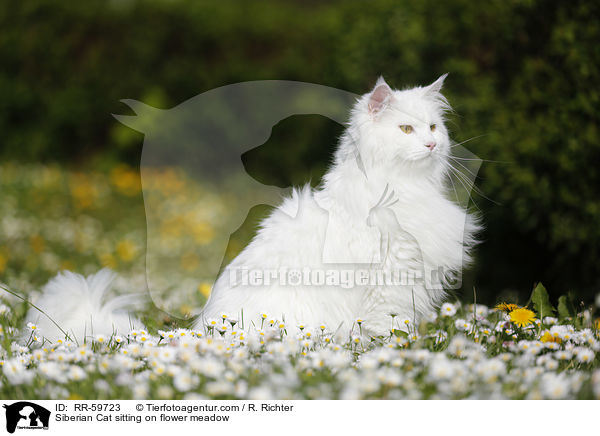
(522, 316)
(548, 337)
(506, 307)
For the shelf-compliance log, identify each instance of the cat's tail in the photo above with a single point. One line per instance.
(77, 307)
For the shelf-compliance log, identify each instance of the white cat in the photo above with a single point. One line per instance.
(382, 205)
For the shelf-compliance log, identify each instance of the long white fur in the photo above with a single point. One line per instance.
(338, 222)
(80, 307)
(333, 222)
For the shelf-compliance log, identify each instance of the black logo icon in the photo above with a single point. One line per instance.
(26, 415)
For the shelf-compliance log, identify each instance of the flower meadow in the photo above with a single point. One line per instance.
(472, 352)
(466, 351)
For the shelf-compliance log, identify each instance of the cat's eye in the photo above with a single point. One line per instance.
(406, 129)
(432, 127)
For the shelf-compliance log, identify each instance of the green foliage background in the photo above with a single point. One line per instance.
(523, 73)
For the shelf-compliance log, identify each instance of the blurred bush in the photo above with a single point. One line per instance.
(523, 73)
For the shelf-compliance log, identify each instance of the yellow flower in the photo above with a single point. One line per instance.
(185, 309)
(126, 250)
(203, 232)
(506, 307)
(547, 337)
(83, 190)
(126, 180)
(522, 316)
(205, 289)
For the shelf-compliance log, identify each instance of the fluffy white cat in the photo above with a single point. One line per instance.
(322, 256)
(383, 205)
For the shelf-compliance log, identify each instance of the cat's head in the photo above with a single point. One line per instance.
(403, 128)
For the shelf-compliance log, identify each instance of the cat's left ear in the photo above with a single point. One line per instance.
(436, 86)
(380, 96)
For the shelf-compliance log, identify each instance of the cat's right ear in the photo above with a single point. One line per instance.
(380, 96)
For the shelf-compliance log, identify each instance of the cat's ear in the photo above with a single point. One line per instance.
(436, 86)
(380, 96)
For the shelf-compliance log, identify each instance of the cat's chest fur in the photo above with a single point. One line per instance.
(425, 222)
(436, 223)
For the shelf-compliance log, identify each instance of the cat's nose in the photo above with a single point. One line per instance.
(430, 145)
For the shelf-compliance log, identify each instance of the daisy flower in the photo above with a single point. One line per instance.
(584, 355)
(448, 309)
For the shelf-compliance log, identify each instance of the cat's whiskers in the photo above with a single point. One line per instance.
(454, 187)
(478, 159)
(466, 140)
(475, 176)
(467, 184)
(459, 177)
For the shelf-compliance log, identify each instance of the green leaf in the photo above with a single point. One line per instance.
(541, 302)
(566, 309)
(400, 333)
